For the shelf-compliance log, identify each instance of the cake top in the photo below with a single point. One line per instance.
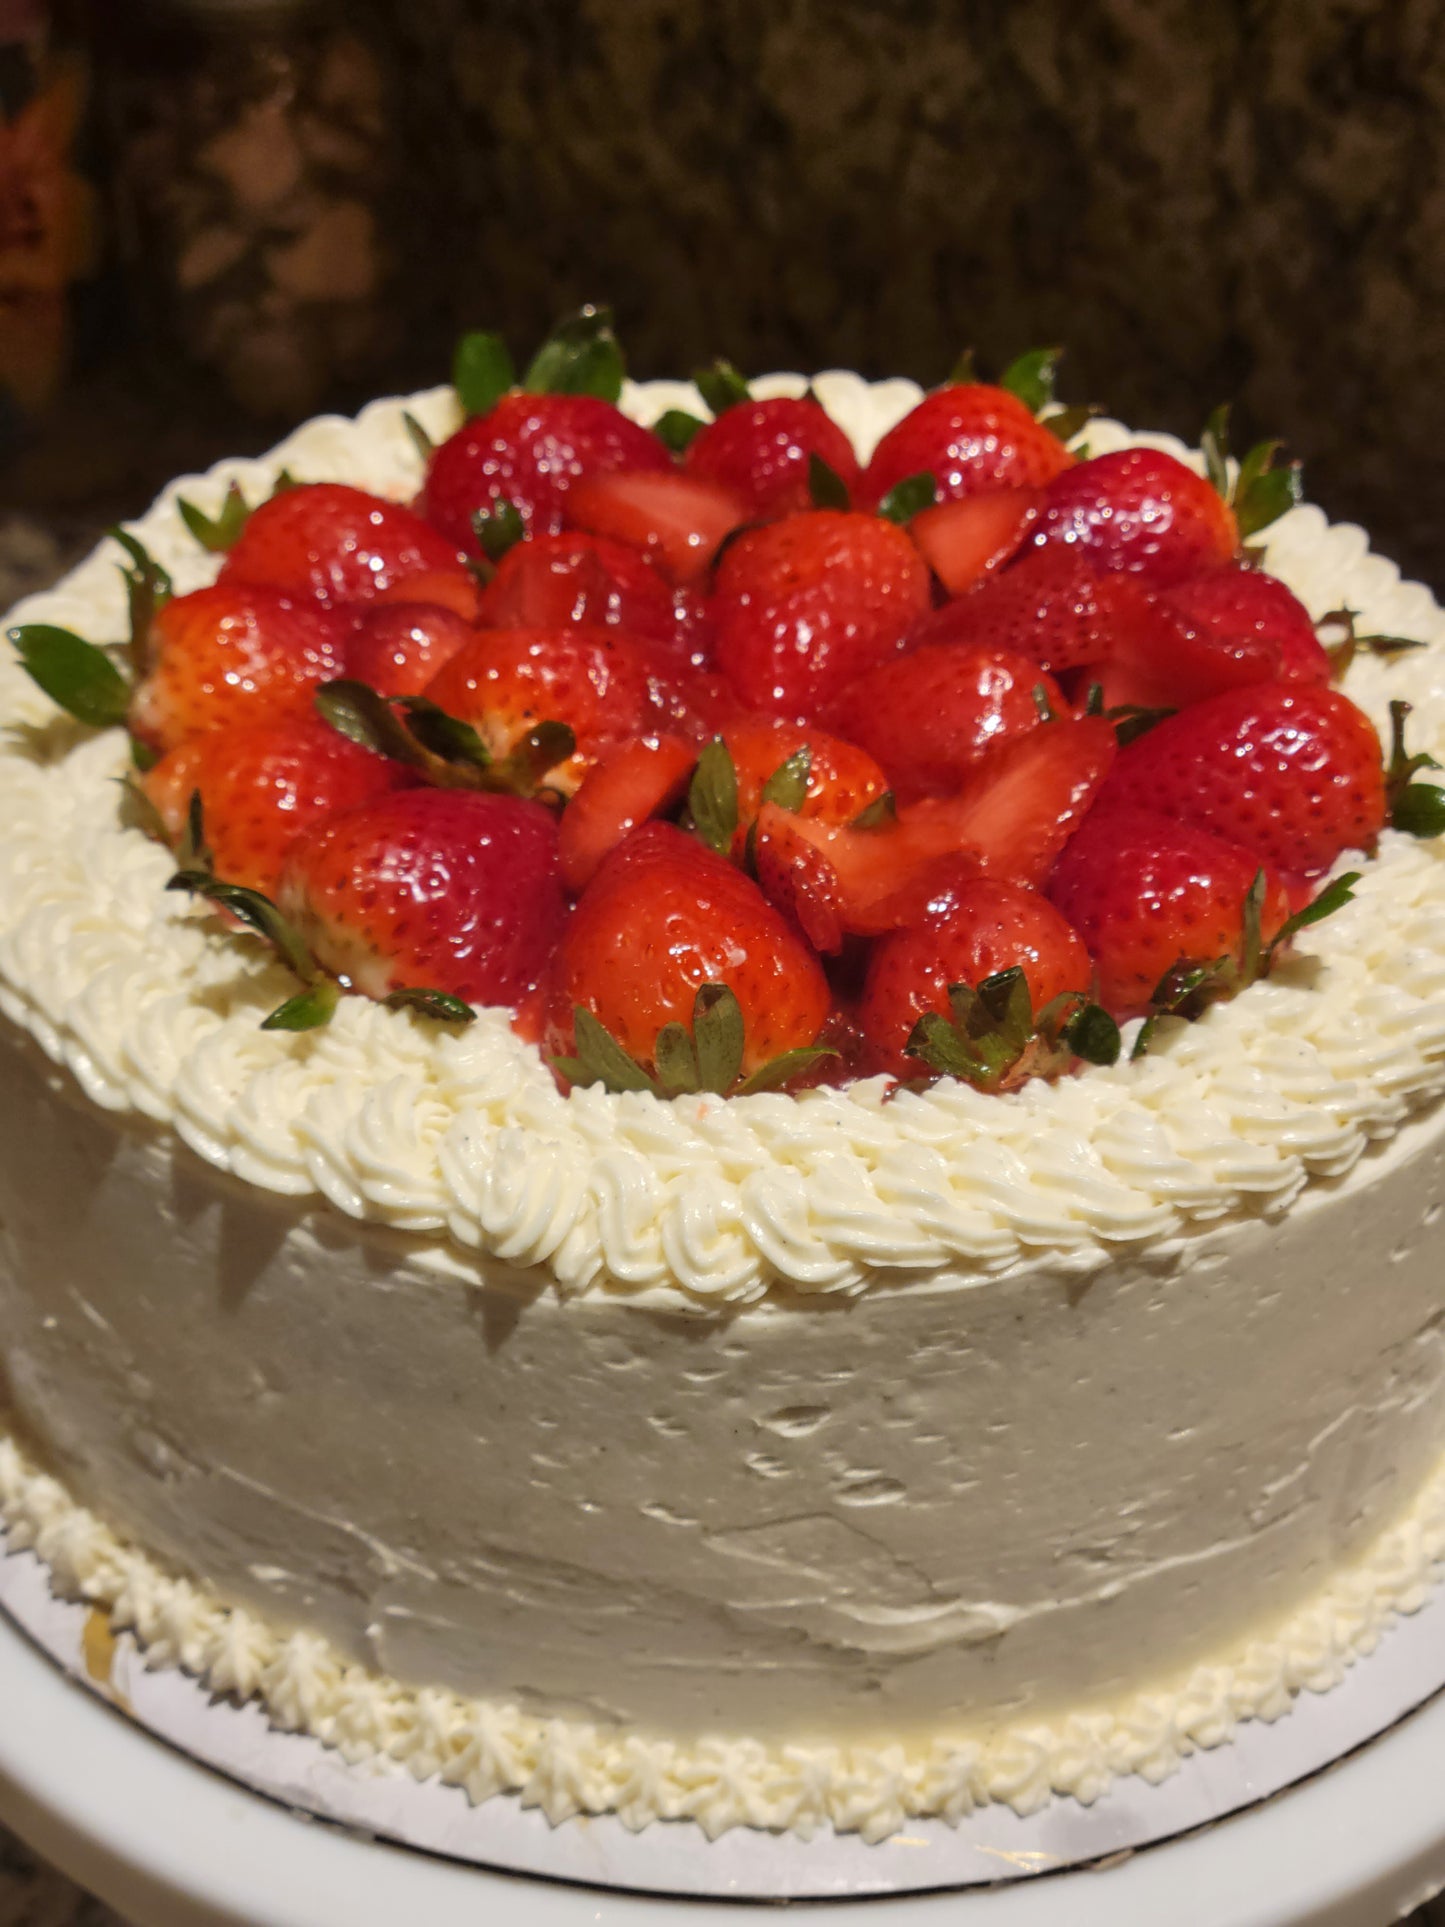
(467, 1137)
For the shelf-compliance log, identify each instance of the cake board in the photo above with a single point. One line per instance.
(85, 1772)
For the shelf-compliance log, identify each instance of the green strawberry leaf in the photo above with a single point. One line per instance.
(721, 387)
(251, 908)
(1004, 997)
(439, 1004)
(1042, 704)
(309, 1009)
(936, 1042)
(1215, 443)
(145, 814)
(482, 373)
(1092, 1034)
(498, 528)
(788, 784)
(142, 756)
(1334, 896)
(878, 814)
(442, 735)
(580, 357)
(964, 371)
(908, 498)
(193, 852)
(1419, 810)
(1031, 377)
(420, 440)
(283, 484)
(356, 710)
(600, 1058)
(712, 797)
(1065, 423)
(73, 673)
(218, 533)
(1263, 492)
(782, 1069)
(826, 486)
(677, 430)
(1251, 952)
(676, 1060)
(717, 1035)
(521, 770)
(147, 589)
(1132, 720)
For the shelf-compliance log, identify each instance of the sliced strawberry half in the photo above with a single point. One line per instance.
(964, 541)
(627, 786)
(678, 521)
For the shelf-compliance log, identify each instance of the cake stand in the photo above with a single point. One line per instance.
(172, 1844)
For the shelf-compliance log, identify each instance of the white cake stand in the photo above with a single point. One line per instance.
(171, 1844)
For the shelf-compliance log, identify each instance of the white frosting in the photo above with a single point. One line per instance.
(155, 1010)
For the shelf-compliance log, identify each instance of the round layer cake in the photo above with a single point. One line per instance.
(770, 1460)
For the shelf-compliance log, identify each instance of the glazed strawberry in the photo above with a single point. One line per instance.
(1237, 605)
(988, 925)
(971, 437)
(261, 785)
(550, 580)
(627, 785)
(810, 772)
(932, 715)
(603, 685)
(1147, 894)
(336, 543)
(455, 589)
(964, 541)
(760, 450)
(664, 917)
(232, 654)
(397, 647)
(437, 889)
(531, 451)
(805, 605)
(1140, 510)
(1051, 605)
(1289, 770)
(677, 521)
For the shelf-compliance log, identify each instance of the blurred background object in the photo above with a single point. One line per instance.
(303, 202)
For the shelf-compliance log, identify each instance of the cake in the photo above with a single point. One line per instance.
(833, 1455)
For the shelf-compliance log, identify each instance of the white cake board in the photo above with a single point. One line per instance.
(994, 1845)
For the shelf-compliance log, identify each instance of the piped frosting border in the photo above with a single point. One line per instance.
(465, 1137)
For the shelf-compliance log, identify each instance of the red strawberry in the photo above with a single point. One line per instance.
(1152, 657)
(840, 779)
(678, 521)
(627, 785)
(531, 450)
(398, 647)
(1289, 770)
(990, 925)
(1051, 605)
(965, 540)
(232, 654)
(449, 890)
(336, 543)
(1235, 606)
(605, 686)
(454, 589)
(1146, 894)
(663, 917)
(261, 785)
(971, 438)
(760, 450)
(551, 580)
(805, 605)
(1141, 510)
(932, 715)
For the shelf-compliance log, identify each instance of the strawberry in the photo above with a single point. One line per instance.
(232, 654)
(531, 451)
(335, 543)
(440, 889)
(602, 684)
(663, 919)
(1051, 605)
(629, 783)
(933, 714)
(678, 521)
(1148, 894)
(454, 589)
(1153, 657)
(1141, 510)
(972, 438)
(964, 541)
(989, 925)
(261, 785)
(760, 451)
(1014, 815)
(804, 769)
(397, 647)
(805, 605)
(1289, 770)
(550, 580)
(1236, 605)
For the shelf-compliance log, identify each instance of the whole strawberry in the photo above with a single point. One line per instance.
(971, 437)
(261, 785)
(805, 605)
(1148, 894)
(663, 919)
(447, 890)
(984, 926)
(397, 647)
(335, 543)
(1141, 510)
(808, 771)
(1290, 770)
(232, 654)
(1052, 605)
(1236, 606)
(762, 451)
